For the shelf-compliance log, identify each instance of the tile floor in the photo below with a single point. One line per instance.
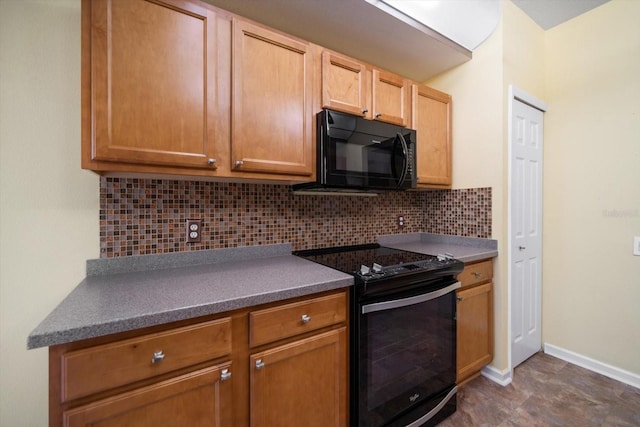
(547, 391)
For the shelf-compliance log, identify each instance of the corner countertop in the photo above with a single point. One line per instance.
(466, 249)
(123, 294)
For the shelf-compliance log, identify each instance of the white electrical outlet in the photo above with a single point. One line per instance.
(636, 245)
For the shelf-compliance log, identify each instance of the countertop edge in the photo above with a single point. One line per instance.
(35, 341)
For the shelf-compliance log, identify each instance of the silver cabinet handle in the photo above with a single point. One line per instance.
(476, 274)
(239, 163)
(158, 356)
(211, 161)
(306, 318)
(378, 115)
(365, 111)
(225, 375)
(459, 299)
(259, 364)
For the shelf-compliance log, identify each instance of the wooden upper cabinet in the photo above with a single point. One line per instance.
(152, 82)
(271, 102)
(390, 95)
(345, 85)
(431, 118)
(354, 87)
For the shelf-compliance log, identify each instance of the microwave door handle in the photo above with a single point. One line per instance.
(405, 151)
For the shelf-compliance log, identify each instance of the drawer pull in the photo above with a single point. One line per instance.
(259, 364)
(459, 299)
(306, 318)
(476, 274)
(211, 161)
(225, 375)
(365, 111)
(158, 356)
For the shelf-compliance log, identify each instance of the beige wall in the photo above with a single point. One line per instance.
(592, 185)
(48, 206)
(587, 71)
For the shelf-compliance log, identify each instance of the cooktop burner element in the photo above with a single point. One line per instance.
(374, 262)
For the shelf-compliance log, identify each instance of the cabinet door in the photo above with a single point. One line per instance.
(152, 82)
(431, 118)
(345, 85)
(271, 102)
(201, 398)
(301, 384)
(390, 98)
(475, 329)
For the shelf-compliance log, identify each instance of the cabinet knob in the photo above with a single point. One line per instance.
(378, 115)
(211, 161)
(239, 163)
(158, 356)
(225, 375)
(476, 274)
(259, 364)
(459, 299)
(306, 318)
(365, 111)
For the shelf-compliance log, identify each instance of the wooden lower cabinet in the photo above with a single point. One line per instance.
(201, 398)
(207, 372)
(474, 320)
(301, 384)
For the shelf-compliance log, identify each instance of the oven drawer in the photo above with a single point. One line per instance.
(476, 273)
(90, 370)
(288, 320)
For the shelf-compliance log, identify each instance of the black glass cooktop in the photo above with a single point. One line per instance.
(376, 262)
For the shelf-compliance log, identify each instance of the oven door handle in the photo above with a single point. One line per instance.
(417, 299)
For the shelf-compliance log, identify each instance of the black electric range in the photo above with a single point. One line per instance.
(380, 269)
(402, 333)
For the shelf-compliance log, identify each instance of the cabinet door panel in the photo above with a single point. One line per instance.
(152, 64)
(196, 399)
(390, 98)
(271, 102)
(431, 112)
(302, 383)
(345, 85)
(475, 329)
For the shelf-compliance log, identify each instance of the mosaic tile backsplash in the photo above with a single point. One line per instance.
(147, 216)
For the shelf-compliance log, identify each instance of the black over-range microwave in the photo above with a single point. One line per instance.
(356, 154)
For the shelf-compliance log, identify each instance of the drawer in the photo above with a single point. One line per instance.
(90, 370)
(476, 273)
(288, 320)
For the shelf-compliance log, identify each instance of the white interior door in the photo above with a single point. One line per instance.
(525, 251)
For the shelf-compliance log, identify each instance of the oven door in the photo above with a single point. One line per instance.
(406, 356)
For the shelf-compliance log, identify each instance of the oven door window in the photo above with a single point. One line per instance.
(407, 355)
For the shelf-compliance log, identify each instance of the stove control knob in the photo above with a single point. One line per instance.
(377, 268)
(364, 270)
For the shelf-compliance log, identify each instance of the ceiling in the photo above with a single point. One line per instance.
(377, 33)
(549, 13)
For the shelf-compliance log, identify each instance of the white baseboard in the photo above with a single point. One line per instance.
(500, 377)
(593, 365)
